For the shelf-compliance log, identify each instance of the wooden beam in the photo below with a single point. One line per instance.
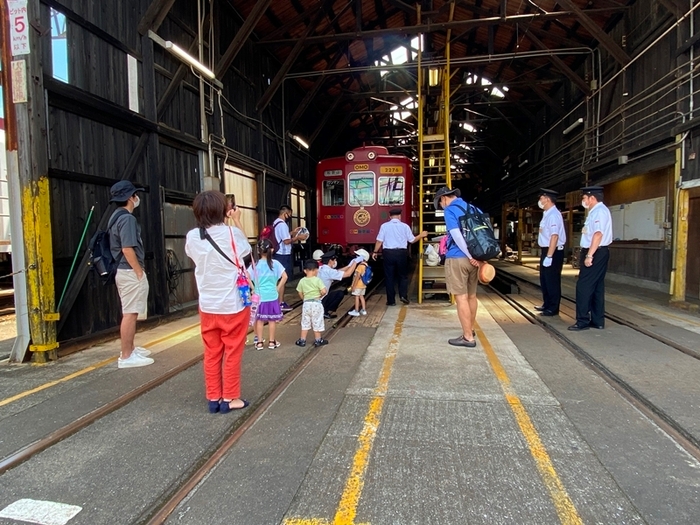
(242, 36)
(548, 100)
(284, 28)
(154, 15)
(561, 65)
(441, 26)
(411, 9)
(594, 29)
(289, 62)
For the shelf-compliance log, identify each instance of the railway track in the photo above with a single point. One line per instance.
(162, 509)
(656, 414)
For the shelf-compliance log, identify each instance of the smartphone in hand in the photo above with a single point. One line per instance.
(231, 201)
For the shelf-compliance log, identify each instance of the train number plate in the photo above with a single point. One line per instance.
(391, 170)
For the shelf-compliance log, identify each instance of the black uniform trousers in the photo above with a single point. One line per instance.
(395, 268)
(590, 288)
(332, 300)
(550, 280)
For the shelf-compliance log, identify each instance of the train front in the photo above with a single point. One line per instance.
(356, 192)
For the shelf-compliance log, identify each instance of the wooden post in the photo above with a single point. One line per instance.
(30, 111)
(680, 249)
(521, 231)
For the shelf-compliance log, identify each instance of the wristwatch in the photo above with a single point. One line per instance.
(589, 257)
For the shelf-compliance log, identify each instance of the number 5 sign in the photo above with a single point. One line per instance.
(19, 27)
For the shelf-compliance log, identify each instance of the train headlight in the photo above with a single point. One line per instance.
(372, 155)
(350, 156)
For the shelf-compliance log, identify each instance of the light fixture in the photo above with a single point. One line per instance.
(301, 141)
(573, 126)
(185, 57)
(433, 76)
(523, 163)
(431, 161)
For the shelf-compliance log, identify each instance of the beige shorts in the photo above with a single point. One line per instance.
(461, 277)
(312, 316)
(132, 293)
(358, 291)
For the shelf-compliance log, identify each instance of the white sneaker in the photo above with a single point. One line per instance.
(363, 312)
(354, 313)
(133, 361)
(142, 351)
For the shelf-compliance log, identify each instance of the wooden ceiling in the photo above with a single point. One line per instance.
(507, 42)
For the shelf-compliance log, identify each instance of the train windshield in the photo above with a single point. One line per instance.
(391, 191)
(361, 188)
(334, 192)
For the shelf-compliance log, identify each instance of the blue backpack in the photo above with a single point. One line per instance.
(367, 276)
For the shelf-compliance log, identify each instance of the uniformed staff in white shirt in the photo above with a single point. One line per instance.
(394, 237)
(596, 236)
(328, 272)
(551, 240)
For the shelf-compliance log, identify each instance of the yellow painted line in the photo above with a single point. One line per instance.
(347, 507)
(79, 373)
(565, 508)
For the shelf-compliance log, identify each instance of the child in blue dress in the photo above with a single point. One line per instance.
(269, 278)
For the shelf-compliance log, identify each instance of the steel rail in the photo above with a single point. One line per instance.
(243, 424)
(680, 435)
(621, 320)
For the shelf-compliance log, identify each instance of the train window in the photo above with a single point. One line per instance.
(244, 186)
(361, 189)
(333, 192)
(391, 191)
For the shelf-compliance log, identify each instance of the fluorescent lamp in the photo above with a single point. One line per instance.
(573, 126)
(433, 76)
(301, 141)
(431, 161)
(522, 163)
(189, 59)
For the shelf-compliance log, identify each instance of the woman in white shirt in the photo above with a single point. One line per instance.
(224, 318)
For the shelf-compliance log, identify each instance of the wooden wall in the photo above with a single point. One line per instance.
(94, 140)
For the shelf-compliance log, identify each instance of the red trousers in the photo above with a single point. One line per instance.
(224, 341)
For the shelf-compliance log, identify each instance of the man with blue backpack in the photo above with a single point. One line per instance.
(461, 268)
(127, 250)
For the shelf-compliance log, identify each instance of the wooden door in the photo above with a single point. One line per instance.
(692, 286)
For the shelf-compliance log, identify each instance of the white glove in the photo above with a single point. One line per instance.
(358, 259)
(547, 262)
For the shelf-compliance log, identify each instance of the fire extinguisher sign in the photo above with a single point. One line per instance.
(19, 27)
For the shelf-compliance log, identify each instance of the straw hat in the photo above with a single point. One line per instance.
(486, 273)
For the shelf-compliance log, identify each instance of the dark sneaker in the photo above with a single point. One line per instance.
(404, 300)
(461, 341)
(320, 342)
(285, 307)
(301, 342)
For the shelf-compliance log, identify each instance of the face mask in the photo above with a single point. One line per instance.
(540, 204)
(137, 203)
(584, 204)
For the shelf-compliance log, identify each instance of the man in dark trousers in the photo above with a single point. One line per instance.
(394, 237)
(551, 240)
(596, 236)
(126, 246)
(328, 272)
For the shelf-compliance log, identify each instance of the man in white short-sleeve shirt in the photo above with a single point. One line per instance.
(596, 236)
(551, 240)
(328, 272)
(285, 239)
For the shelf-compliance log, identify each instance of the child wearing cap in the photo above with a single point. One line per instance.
(359, 288)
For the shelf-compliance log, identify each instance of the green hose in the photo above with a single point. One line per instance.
(75, 258)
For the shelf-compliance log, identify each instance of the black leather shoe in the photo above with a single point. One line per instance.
(539, 308)
(391, 304)
(578, 327)
(548, 313)
(597, 326)
(404, 300)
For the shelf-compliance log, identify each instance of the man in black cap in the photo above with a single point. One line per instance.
(394, 237)
(596, 236)
(551, 239)
(461, 269)
(132, 284)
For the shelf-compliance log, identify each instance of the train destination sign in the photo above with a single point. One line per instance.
(392, 170)
(333, 173)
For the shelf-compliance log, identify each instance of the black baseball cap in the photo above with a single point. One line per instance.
(122, 191)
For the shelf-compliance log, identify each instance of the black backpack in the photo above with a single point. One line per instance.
(101, 259)
(478, 233)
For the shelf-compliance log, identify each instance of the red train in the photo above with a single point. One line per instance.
(356, 192)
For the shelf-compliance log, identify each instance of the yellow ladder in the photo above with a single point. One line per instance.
(434, 164)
